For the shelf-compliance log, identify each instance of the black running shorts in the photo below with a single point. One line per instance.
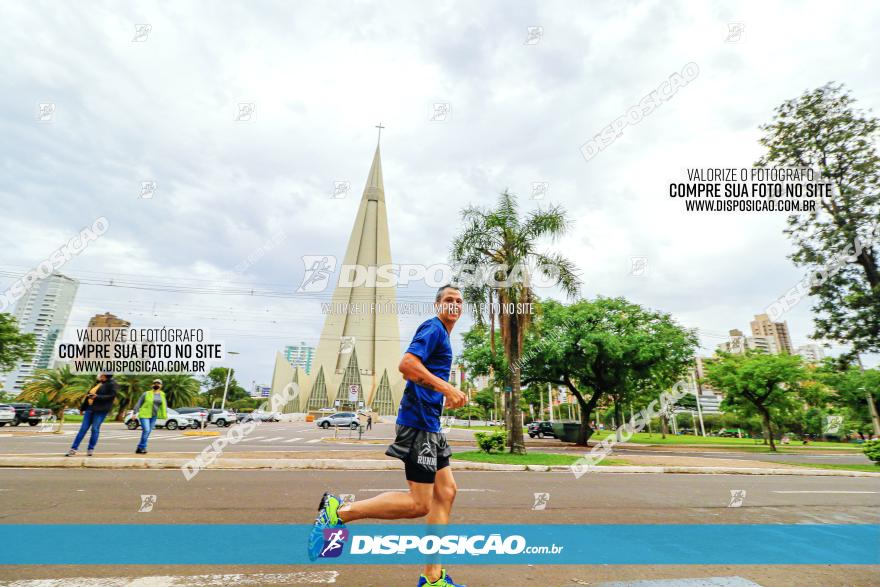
(423, 453)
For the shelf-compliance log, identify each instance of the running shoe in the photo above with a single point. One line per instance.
(444, 581)
(327, 518)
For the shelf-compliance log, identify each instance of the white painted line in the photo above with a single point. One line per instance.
(273, 439)
(293, 440)
(818, 491)
(313, 441)
(251, 438)
(299, 578)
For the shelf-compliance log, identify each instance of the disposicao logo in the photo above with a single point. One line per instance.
(334, 541)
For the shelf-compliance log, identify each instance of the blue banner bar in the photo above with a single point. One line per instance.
(534, 544)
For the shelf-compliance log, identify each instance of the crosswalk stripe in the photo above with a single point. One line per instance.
(273, 439)
(313, 441)
(293, 439)
(252, 438)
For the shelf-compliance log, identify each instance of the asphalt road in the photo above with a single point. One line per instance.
(302, 437)
(38, 496)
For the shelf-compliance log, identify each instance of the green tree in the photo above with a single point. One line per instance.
(500, 239)
(849, 385)
(822, 131)
(606, 348)
(131, 388)
(181, 389)
(755, 382)
(213, 384)
(14, 346)
(58, 388)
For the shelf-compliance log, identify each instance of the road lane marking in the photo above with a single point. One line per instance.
(273, 439)
(293, 440)
(313, 441)
(817, 491)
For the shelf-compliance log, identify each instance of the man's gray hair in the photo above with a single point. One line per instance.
(443, 288)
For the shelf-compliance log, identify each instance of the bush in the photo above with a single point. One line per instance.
(491, 441)
(872, 450)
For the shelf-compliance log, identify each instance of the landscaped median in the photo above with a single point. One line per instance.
(370, 461)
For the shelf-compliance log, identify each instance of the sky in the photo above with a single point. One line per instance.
(152, 92)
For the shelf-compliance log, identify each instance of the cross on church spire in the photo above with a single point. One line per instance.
(380, 127)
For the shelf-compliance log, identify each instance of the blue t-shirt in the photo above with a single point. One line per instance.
(420, 407)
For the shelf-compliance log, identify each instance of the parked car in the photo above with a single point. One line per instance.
(222, 417)
(540, 429)
(71, 412)
(255, 416)
(347, 419)
(28, 413)
(174, 421)
(733, 432)
(199, 416)
(7, 414)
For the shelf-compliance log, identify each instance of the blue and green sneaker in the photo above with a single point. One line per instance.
(327, 518)
(444, 581)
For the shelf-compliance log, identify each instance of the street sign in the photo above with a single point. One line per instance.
(353, 392)
(336, 404)
(508, 389)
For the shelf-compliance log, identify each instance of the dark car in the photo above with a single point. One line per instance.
(28, 413)
(541, 429)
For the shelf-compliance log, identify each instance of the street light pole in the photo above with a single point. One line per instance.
(699, 407)
(228, 377)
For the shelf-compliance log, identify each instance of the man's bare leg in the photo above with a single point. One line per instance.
(441, 506)
(392, 505)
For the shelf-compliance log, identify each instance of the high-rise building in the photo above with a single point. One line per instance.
(811, 353)
(359, 350)
(300, 355)
(43, 311)
(763, 326)
(740, 344)
(107, 320)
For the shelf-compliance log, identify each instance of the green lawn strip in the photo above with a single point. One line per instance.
(645, 438)
(532, 458)
(866, 468)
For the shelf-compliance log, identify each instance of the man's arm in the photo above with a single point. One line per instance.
(412, 369)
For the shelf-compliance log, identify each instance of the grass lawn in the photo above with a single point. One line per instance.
(532, 458)
(866, 468)
(645, 438)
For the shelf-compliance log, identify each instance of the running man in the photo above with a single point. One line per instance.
(419, 442)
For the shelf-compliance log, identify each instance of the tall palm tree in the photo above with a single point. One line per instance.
(499, 238)
(60, 386)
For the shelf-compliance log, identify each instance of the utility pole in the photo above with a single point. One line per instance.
(699, 407)
(228, 377)
(872, 407)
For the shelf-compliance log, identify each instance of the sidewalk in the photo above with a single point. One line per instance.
(377, 461)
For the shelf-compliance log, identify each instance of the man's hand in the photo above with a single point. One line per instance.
(455, 398)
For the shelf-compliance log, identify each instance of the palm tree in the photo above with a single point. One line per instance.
(500, 239)
(60, 386)
(181, 389)
(131, 387)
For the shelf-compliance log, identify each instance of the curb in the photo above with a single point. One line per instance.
(383, 465)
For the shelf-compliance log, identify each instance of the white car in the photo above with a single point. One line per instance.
(172, 422)
(7, 414)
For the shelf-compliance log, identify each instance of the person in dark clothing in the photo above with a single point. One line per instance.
(95, 407)
(369, 421)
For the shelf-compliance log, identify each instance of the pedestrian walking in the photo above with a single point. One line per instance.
(151, 406)
(369, 421)
(95, 407)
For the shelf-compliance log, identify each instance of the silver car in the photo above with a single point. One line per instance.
(345, 419)
(7, 414)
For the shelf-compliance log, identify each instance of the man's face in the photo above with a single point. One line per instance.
(102, 377)
(449, 306)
